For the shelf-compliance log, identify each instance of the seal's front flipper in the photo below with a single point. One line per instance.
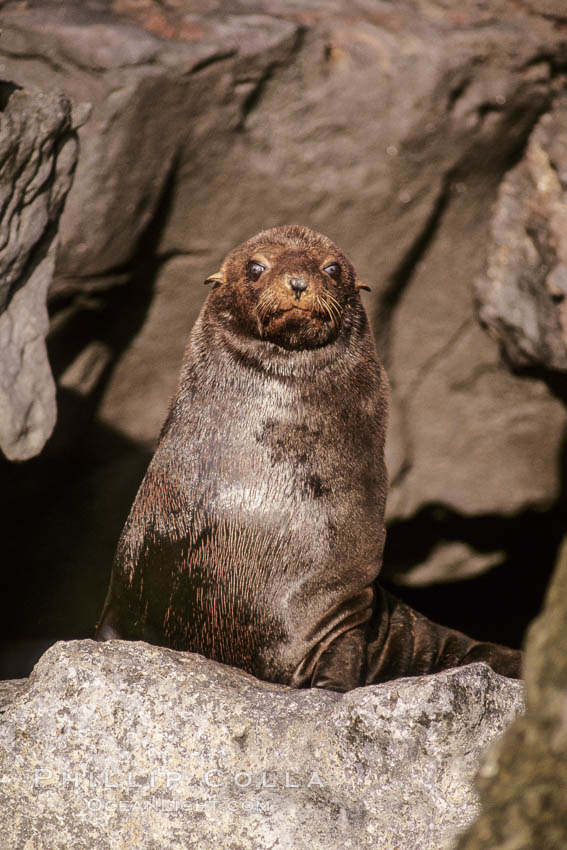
(113, 626)
(106, 629)
(106, 632)
(402, 642)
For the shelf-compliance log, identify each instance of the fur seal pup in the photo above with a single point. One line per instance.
(256, 536)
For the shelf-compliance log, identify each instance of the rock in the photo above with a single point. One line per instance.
(177, 295)
(523, 779)
(485, 453)
(125, 743)
(11, 689)
(138, 84)
(522, 295)
(451, 558)
(488, 455)
(38, 154)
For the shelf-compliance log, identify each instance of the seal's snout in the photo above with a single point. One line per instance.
(298, 286)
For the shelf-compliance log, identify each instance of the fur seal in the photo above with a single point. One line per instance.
(256, 536)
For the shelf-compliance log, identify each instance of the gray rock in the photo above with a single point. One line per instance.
(38, 153)
(177, 295)
(496, 448)
(127, 744)
(138, 85)
(451, 558)
(523, 294)
(523, 778)
(11, 689)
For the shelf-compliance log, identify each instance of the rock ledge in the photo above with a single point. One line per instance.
(126, 744)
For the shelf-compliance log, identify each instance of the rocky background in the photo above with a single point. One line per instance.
(427, 138)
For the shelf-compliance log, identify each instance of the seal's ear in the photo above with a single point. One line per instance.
(215, 279)
(358, 285)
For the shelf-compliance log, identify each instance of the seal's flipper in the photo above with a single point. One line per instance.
(105, 632)
(342, 666)
(402, 642)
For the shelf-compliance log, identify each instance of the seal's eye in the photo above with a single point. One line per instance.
(254, 270)
(333, 270)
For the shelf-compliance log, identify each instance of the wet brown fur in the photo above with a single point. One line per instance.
(256, 536)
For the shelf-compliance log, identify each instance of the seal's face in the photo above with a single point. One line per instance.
(298, 297)
(290, 286)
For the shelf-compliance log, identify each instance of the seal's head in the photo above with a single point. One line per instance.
(288, 285)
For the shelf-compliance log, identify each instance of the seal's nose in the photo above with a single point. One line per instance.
(298, 285)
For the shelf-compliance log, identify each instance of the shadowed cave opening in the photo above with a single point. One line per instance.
(496, 605)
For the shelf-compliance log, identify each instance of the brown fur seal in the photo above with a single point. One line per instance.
(257, 533)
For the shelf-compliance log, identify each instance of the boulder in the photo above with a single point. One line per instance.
(523, 778)
(38, 154)
(523, 293)
(123, 744)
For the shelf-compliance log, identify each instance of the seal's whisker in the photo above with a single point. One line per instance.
(323, 308)
(332, 308)
(337, 307)
(265, 303)
(332, 300)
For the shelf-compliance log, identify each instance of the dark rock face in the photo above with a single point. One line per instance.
(523, 296)
(38, 153)
(389, 128)
(129, 742)
(523, 781)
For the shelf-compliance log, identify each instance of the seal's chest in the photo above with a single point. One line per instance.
(280, 468)
(296, 442)
(269, 478)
